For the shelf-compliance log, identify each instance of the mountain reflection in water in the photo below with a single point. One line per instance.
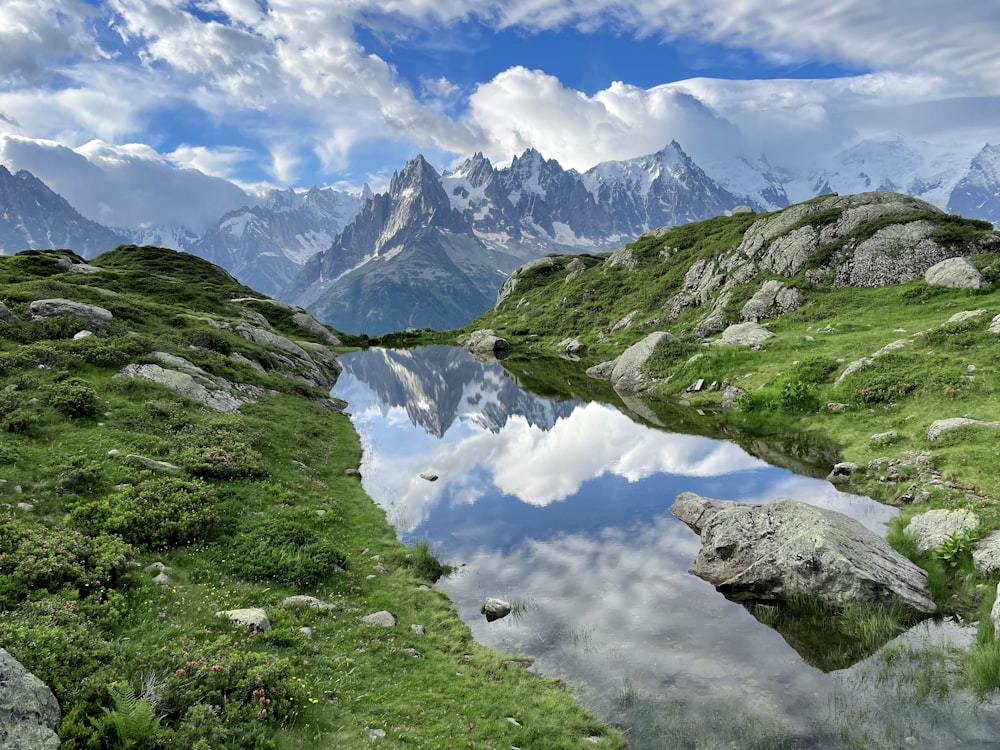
(564, 506)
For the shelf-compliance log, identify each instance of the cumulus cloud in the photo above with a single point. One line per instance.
(292, 77)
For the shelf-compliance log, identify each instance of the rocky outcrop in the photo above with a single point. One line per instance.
(29, 712)
(772, 300)
(293, 357)
(196, 385)
(67, 264)
(786, 550)
(308, 323)
(91, 316)
(955, 273)
(941, 426)
(932, 529)
(544, 265)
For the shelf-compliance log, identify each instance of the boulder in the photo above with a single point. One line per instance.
(251, 617)
(787, 550)
(572, 347)
(383, 618)
(995, 614)
(943, 425)
(966, 315)
(995, 325)
(955, 273)
(495, 609)
(92, 316)
(986, 555)
(485, 341)
(842, 472)
(743, 334)
(933, 528)
(627, 373)
(29, 712)
(575, 269)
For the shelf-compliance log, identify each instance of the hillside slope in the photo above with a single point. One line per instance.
(187, 556)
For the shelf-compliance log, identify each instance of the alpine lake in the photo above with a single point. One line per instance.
(558, 502)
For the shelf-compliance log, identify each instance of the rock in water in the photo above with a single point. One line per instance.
(495, 609)
(786, 549)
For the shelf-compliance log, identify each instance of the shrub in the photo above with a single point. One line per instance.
(815, 370)
(157, 514)
(220, 450)
(54, 640)
(35, 558)
(73, 397)
(425, 564)
(798, 397)
(212, 340)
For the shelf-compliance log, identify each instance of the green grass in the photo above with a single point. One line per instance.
(261, 509)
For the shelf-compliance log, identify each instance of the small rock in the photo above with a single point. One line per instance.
(417, 629)
(986, 555)
(513, 721)
(835, 406)
(384, 618)
(884, 437)
(25, 506)
(82, 334)
(841, 472)
(375, 734)
(156, 567)
(429, 477)
(114, 452)
(306, 630)
(150, 463)
(162, 579)
(352, 473)
(495, 609)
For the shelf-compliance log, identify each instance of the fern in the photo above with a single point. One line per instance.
(133, 722)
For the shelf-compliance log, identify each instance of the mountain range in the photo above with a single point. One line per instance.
(433, 248)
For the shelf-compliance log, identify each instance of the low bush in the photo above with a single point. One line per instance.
(283, 550)
(73, 397)
(221, 450)
(156, 514)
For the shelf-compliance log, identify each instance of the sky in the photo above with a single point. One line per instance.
(295, 93)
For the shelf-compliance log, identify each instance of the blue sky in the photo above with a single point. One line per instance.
(292, 93)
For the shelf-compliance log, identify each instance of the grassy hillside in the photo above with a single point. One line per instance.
(252, 507)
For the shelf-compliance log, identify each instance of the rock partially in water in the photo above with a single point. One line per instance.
(495, 609)
(485, 341)
(787, 550)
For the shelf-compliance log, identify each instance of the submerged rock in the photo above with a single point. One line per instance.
(786, 550)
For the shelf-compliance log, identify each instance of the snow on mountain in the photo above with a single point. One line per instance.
(978, 193)
(264, 245)
(887, 162)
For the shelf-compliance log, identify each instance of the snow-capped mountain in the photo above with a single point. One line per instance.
(33, 216)
(978, 193)
(265, 245)
(433, 249)
(889, 162)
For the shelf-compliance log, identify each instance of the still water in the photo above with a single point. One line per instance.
(563, 508)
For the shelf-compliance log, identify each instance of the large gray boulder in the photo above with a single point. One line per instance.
(29, 712)
(91, 316)
(786, 550)
(627, 374)
(955, 273)
(307, 322)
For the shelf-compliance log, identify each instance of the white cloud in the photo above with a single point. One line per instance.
(33, 33)
(125, 186)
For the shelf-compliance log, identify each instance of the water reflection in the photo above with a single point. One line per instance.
(564, 506)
